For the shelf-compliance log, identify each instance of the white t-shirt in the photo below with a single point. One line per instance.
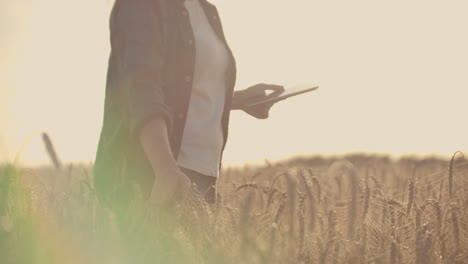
(202, 139)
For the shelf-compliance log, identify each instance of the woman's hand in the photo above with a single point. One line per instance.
(259, 111)
(257, 91)
(170, 187)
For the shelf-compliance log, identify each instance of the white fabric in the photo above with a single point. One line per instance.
(202, 140)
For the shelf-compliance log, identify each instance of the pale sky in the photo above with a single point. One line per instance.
(393, 76)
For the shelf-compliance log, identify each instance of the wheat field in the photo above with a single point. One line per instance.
(356, 208)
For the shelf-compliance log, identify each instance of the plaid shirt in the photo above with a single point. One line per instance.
(150, 72)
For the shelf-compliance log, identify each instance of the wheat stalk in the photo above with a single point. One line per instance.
(51, 151)
(352, 210)
(455, 228)
(313, 207)
(291, 185)
(393, 252)
(365, 207)
(301, 220)
(451, 171)
(410, 197)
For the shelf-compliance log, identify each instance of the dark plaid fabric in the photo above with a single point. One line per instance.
(150, 72)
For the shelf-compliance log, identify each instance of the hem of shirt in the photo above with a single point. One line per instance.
(197, 168)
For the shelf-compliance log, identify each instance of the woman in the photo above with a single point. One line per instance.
(169, 93)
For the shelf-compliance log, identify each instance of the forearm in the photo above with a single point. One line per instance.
(155, 142)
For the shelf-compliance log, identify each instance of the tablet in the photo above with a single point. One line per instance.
(288, 92)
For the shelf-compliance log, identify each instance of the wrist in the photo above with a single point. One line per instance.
(167, 168)
(236, 101)
(164, 165)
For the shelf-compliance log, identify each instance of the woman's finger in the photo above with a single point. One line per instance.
(276, 90)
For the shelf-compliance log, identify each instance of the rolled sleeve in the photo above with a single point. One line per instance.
(138, 34)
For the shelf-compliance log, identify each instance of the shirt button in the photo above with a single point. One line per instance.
(215, 17)
(188, 78)
(184, 13)
(180, 116)
(190, 42)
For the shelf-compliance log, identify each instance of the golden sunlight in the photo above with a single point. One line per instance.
(377, 75)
